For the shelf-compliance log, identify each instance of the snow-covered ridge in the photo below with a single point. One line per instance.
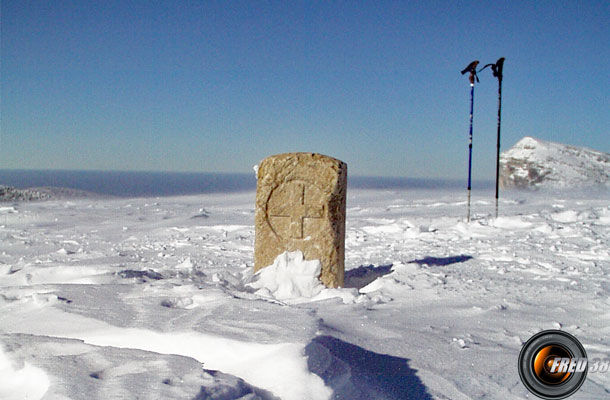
(533, 163)
(9, 193)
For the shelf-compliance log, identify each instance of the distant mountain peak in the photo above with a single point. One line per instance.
(528, 142)
(533, 163)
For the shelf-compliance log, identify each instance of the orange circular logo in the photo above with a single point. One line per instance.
(553, 364)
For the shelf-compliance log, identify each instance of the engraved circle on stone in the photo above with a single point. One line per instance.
(289, 220)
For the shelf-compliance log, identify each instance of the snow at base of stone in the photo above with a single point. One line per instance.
(289, 277)
(26, 382)
(292, 279)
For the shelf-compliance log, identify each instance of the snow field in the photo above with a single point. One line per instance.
(151, 296)
(26, 382)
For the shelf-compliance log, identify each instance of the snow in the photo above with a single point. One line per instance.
(292, 280)
(260, 364)
(7, 210)
(28, 382)
(432, 308)
(289, 277)
(537, 163)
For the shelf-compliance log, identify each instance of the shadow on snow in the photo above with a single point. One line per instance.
(365, 274)
(355, 373)
(442, 261)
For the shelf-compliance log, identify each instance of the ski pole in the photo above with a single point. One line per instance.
(497, 72)
(472, 68)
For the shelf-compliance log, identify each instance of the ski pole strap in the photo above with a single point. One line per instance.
(496, 68)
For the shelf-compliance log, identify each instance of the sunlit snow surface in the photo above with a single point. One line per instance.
(154, 299)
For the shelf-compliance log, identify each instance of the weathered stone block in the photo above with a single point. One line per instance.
(300, 205)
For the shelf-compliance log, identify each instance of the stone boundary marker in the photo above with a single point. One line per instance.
(300, 205)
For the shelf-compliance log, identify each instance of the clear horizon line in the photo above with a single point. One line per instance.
(219, 173)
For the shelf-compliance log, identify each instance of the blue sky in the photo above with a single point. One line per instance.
(215, 86)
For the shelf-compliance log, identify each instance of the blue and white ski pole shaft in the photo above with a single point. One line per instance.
(472, 69)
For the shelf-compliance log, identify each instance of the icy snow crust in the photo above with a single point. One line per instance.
(156, 299)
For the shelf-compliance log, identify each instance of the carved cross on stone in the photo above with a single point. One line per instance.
(296, 210)
(300, 205)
